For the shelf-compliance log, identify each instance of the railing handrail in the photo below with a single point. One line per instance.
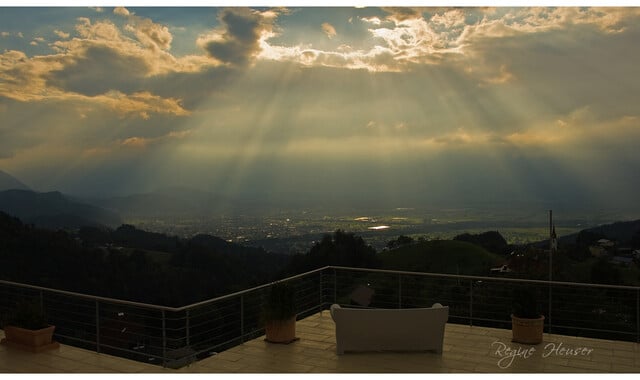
(484, 278)
(245, 291)
(249, 290)
(172, 338)
(91, 297)
(153, 306)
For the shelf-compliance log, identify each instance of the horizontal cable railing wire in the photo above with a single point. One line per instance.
(176, 336)
(594, 310)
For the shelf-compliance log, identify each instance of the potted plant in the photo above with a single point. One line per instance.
(26, 328)
(280, 314)
(527, 323)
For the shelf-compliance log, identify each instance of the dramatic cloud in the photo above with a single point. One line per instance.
(103, 67)
(150, 34)
(409, 37)
(26, 79)
(399, 14)
(61, 34)
(328, 29)
(137, 142)
(237, 42)
(121, 11)
(9, 34)
(419, 100)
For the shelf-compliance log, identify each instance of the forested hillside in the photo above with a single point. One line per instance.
(192, 270)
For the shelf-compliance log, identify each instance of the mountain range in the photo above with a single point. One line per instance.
(54, 210)
(8, 182)
(621, 232)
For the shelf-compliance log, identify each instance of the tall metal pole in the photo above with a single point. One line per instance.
(335, 286)
(470, 302)
(551, 248)
(550, 243)
(321, 289)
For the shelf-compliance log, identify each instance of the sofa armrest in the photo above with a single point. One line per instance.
(334, 307)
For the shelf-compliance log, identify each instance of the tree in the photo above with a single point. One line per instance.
(492, 241)
(635, 239)
(603, 272)
(93, 236)
(341, 249)
(399, 242)
(586, 238)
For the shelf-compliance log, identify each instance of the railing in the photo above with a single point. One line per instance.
(603, 311)
(168, 336)
(176, 336)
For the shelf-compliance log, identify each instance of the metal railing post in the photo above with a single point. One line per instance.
(187, 332)
(470, 302)
(550, 302)
(242, 318)
(41, 302)
(608, 300)
(335, 286)
(97, 326)
(321, 304)
(399, 291)
(164, 340)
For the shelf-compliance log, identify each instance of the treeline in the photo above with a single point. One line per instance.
(340, 249)
(492, 241)
(128, 263)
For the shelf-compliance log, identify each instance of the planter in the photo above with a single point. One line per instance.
(527, 330)
(281, 331)
(30, 340)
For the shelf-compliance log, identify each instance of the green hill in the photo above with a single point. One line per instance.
(441, 256)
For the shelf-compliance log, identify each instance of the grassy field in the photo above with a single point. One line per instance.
(441, 256)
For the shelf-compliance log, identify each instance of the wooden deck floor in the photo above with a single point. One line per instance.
(466, 350)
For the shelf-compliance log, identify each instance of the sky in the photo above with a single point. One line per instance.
(401, 105)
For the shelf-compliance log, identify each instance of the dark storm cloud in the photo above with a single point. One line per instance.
(403, 13)
(196, 88)
(100, 69)
(239, 43)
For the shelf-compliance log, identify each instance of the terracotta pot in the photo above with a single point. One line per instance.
(30, 340)
(527, 330)
(281, 331)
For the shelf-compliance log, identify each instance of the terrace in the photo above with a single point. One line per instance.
(223, 334)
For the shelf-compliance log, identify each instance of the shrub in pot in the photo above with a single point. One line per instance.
(26, 327)
(280, 314)
(527, 324)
